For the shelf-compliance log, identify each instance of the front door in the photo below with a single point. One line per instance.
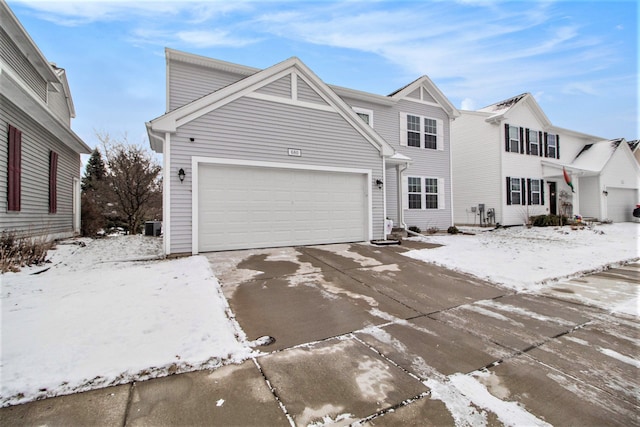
(553, 199)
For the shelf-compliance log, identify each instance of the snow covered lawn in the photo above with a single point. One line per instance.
(93, 319)
(527, 259)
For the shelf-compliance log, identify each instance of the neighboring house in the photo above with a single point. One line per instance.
(276, 157)
(39, 153)
(635, 149)
(509, 159)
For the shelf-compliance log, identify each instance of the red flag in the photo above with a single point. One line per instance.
(567, 179)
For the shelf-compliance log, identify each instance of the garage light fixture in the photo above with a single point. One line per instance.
(181, 174)
(379, 183)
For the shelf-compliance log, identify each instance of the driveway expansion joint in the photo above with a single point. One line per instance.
(274, 392)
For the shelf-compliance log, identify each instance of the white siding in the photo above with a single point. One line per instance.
(34, 216)
(324, 138)
(589, 197)
(59, 106)
(476, 164)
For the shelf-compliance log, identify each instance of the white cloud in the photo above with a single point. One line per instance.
(468, 104)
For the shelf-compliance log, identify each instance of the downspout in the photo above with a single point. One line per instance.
(400, 201)
(384, 196)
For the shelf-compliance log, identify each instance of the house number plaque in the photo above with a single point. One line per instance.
(295, 152)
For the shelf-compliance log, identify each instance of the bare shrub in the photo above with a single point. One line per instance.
(17, 252)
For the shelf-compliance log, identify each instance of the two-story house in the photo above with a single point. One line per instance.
(39, 153)
(510, 163)
(276, 157)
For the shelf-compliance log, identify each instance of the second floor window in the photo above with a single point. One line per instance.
(513, 139)
(533, 143)
(552, 148)
(421, 132)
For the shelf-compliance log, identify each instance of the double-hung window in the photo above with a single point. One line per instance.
(413, 131)
(431, 193)
(513, 138)
(552, 146)
(415, 193)
(533, 143)
(430, 133)
(535, 191)
(424, 193)
(514, 191)
(421, 132)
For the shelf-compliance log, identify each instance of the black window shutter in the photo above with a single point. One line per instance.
(522, 184)
(542, 191)
(557, 146)
(526, 132)
(540, 143)
(528, 191)
(546, 145)
(508, 190)
(521, 141)
(506, 137)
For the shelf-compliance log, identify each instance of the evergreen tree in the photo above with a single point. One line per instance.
(94, 172)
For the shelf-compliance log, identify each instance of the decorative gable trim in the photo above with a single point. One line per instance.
(427, 86)
(170, 122)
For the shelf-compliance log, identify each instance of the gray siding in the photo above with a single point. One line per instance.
(188, 82)
(59, 106)
(281, 87)
(10, 53)
(428, 163)
(324, 138)
(305, 93)
(37, 142)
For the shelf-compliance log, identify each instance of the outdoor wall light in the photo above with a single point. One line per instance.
(605, 192)
(379, 183)
(181, 174)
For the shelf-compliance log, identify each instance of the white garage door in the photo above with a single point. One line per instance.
(241, 207)
(620, 204)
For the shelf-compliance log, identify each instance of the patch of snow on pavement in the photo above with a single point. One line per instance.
(509, 413)
(621, 357)
(92, 320)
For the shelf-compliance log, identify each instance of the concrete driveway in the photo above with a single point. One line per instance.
(364, 335)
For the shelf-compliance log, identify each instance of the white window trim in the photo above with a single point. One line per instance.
(439, 133)
(537, 143)
(423, 192)
(196, 161)
(514, 139)
(520, 192)
(359, 110)
(554, 146)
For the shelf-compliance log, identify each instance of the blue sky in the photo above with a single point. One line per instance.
(578, 58)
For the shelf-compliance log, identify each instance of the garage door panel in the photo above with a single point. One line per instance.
(249, 207)
(620, 204)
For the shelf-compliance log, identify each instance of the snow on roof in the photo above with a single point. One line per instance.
(594, 157)
(502, 106)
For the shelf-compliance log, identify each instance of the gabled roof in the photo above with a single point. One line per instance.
(593, 157)
(500, 110)
(170, 121)
(27, 46)
(433, 90)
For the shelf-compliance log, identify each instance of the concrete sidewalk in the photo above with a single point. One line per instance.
(364, 335)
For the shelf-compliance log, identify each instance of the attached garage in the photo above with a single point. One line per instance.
(258, 205)
(620, 204)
